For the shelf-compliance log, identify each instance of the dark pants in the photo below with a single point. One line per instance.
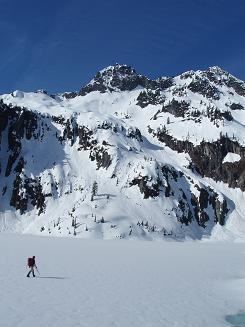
(31, 271)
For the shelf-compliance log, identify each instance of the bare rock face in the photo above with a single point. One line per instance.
(207, 158)
(122, 78)
(21, 124)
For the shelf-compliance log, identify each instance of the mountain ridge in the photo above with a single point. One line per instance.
(167, 155)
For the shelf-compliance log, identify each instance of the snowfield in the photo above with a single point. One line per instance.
(120, 283)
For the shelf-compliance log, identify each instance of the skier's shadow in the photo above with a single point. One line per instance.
(51, 277)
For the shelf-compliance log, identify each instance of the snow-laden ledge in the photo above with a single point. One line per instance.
(231, 157)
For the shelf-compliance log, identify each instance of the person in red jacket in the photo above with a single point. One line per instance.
(31, 264)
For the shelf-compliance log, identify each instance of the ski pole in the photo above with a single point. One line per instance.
(37, 270)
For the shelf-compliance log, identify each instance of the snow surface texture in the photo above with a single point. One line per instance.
(116, 283)
(120, 124)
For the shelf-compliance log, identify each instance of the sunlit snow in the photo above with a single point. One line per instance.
(231, 157)
(117, 283)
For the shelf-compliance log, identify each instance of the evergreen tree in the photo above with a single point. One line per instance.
(95, 188)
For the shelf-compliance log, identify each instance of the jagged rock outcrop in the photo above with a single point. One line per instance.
(221, 77)
(207, 158)
(121, 78)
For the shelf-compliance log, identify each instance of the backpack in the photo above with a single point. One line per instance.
(30, 262)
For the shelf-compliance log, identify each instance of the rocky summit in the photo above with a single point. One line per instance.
(126, 157)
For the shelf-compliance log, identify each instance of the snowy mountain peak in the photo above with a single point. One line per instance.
(115, 78)
(222, 78)
(118, 69)
(126, 157)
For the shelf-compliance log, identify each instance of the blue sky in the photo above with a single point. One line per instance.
(60, 45)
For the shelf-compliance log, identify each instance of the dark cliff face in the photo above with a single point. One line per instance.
(207, 158)
(20, 124)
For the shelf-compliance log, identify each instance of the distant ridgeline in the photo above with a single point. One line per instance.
(126, 157)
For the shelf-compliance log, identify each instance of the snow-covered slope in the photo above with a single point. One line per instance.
(126, 157)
